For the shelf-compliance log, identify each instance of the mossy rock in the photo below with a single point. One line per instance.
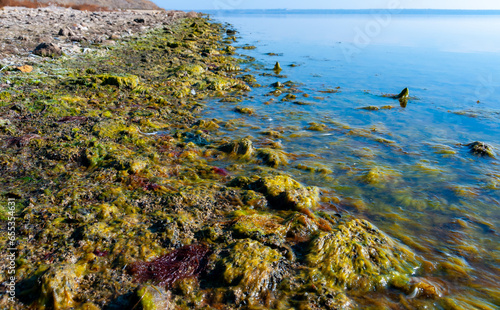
(125, 81)
(195, 70)
(262, 227)
(153, 298)
(58, 286)
(272, 158)
(253, 271)
(243, 148)
(283, 192)
(360, 257)
(379, 176)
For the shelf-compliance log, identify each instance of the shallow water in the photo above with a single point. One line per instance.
(405, 169)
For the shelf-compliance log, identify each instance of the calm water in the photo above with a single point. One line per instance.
(404, 169)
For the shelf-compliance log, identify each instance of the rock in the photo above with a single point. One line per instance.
(48, 50)
(261, 227)
(59, 285)
(277, 68)
(243, 148)
(66, 32)
(404, 94)
(25, 68)
(139, 20)
(358, 256)
(114, 37)
(316, 127)
(192, 14)
(481, 149)
(283, 192)
(126, 81)
(253, 271)
(242, 110)
(154, 298)
(272, 158)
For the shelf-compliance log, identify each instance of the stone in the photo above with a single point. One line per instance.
(48, 50)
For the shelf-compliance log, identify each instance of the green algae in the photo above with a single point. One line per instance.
(358, 256)
(252, 270)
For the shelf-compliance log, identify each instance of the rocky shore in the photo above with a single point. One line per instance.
(126, 198)
(73, 31)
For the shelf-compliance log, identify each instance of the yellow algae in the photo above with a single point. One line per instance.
(379, 175)
(272, 158)
(357, 256)
(252, 270)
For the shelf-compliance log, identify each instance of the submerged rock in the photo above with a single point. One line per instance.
(241, 147)
(358, 256)
(272, 158)
(285, 193)
(481, 149)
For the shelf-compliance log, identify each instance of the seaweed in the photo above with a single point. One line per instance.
(186, 262)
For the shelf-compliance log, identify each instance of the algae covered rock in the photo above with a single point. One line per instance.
(285, 193)
(125, 81)
(272, 158)
(358, 256)
(154, 298)
(241, 147)
(481, 149)
(59, 285)
(262, 227)
(253, 271)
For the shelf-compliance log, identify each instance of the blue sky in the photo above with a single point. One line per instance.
(327, 4)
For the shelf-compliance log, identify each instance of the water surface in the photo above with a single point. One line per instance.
(406, 169)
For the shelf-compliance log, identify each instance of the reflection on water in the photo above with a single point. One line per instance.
(401, 164)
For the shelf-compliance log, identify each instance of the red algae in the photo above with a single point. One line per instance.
(221, 171)
(186, 262)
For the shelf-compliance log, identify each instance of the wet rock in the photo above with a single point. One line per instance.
(59, 285)
(481, 149)
(253, 271)
(370, 108)
(261, 227)
(277, 68)
(359, 256)
(242, 110)
(316, 127)
(404, 94)
(48, 50)
(243, 148)
(277, 85)
(126, 81)
(283, 192)
(272, 158)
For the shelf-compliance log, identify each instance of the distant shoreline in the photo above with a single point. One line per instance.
(364, 11)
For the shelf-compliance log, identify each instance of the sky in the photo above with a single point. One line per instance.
(327, 4)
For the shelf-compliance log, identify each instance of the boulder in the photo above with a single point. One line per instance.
(48, 50)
